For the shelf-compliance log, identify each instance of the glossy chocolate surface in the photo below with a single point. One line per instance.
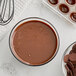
(34, 42)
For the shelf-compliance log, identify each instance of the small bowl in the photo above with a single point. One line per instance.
(29, 19)
(67, 51)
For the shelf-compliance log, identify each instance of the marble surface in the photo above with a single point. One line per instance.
(9, 66)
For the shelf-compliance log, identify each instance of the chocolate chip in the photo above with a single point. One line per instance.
(72, 58)
(69, 73)
(71, 66)
(75, 72)
(74, 65)
(72, 51)
(67, 68)
(66, 58)
(74, 47)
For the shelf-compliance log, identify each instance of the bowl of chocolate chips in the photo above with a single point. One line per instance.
(69, 61)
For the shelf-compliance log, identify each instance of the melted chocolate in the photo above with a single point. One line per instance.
(34, 42)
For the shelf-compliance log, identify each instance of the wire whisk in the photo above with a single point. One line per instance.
(6, 11)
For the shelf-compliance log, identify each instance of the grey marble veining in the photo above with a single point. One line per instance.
(9, 69)
(0, 2)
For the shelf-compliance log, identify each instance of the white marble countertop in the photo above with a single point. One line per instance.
(9, 66)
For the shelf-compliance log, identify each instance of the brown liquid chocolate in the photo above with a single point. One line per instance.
(34, 42)
(64, 8)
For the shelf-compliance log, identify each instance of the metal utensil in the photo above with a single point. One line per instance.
(6, 11)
